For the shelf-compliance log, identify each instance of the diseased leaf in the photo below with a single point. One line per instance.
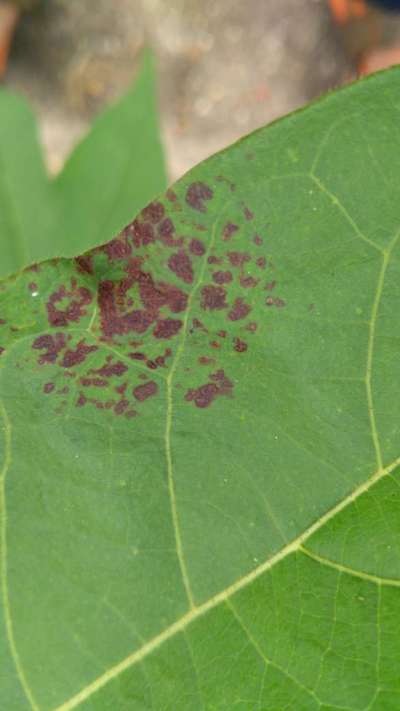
(200, 438)
(111, 175)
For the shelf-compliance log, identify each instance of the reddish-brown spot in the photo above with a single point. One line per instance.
(142, 392)
(171, 196)
(51, 344)
(32, 286)
(215, 344)
(204, 395)
(77, 297)
(275, 301)
(166, 328)
(82, 400)
(95, 382)
(221, 334)
(213, 298)
(181, 265)
(118, 248)
(270, 286)
(165, 231)
(222, 277)
(79, 355)
(206, 360)
(48, 387)
(258, 240)
(239, 345)
(249, 215)
(153, 212)
(252, 327)
(229, 230)
(143, 233)
(2, 350)
(237, 259)
(197, 247)
(248, 282)
(110, 369)
(121, 406)
(121, 389)
(214, 260)
(239, 310)
(137, 356)
(197, 194)
(198, 325)
(261, 262)
(84, 264)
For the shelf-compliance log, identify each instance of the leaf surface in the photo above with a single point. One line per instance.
(116, 169)
(200, 503)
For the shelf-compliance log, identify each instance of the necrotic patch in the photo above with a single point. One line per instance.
(197, 194)
(213, 298)
(142, 392)
(180, 264)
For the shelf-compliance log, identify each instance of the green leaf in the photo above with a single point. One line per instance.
(200, 503)
(111, 175)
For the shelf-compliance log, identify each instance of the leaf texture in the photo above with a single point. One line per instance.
(200, 502)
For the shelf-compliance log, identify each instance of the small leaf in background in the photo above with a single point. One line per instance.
(200, 439)
(111, 175)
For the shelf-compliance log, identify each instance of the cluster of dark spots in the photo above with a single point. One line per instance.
(213, 298)
(206, 360)
(181, 265)
(229, 229)
(160, 361)
(222, 277)
(239, 310)
(84, 264)
(214, 260)
(239, 345)
(248, 282)
(249, 215)
(118, 248)
(270, 286)
(154, 212)
(51, 344)
(119, 408)
(77, 356)
(32, 286)
(78, 296)
(261, 262)
(258, 240)
(48, 388)
(197, 194)
(252, 327)
(275, 301)
(204, 395)
(142, 392)
(197, 247)
(166, 328)
(237, 259)
(93, 382)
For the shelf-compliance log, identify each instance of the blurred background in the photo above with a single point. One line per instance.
(224, 67)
